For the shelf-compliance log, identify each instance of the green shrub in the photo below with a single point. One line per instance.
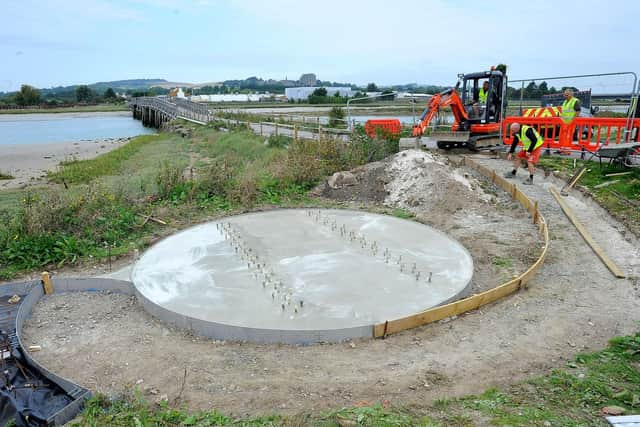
(169, 176)
(57, 227)
(336, 117)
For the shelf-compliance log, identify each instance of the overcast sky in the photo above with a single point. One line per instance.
(52, 43)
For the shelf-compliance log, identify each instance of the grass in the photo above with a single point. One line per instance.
(75, 109)
(402, 213)
(621, 198)
(5, 176)
(83, 171)
(573, 396)
(502, 262)
(11, 199)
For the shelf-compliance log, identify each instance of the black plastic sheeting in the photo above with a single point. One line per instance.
(26, 397)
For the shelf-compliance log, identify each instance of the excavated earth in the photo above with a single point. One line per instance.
(106, 341)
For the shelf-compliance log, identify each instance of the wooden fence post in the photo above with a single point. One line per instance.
(295, 133)
(46, 283)
(260, 128)
(276, 128)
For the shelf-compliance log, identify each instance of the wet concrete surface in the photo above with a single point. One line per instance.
(300, 269)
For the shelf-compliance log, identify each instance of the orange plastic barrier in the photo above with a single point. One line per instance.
(391, 126)
(582, 134)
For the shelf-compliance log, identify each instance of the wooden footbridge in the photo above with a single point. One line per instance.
(155, 111)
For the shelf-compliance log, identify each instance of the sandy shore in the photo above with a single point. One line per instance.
(28, 163)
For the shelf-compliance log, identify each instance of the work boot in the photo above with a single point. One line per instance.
(509, 175)
(528, 181)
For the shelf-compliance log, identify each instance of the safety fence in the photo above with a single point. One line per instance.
(478, 300)
(583, 133)
(608, 109)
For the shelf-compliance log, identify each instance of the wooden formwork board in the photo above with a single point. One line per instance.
(587, 236)
(478, 300)
(448, 310)
(524, 200)
(502, 183)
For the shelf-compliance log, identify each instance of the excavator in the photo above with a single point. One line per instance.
(475, 125)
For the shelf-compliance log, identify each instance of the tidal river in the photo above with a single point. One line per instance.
(19, 129)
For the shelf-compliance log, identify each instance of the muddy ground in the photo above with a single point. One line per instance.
(107, 342)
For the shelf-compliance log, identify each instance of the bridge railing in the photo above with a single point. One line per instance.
(175, 107)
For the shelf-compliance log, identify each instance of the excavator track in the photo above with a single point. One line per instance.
(480, 142)
(447, 140)
(451, 140)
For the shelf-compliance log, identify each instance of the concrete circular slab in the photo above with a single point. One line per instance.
(300, 275)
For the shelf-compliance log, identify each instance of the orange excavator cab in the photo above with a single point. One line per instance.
(474, 121)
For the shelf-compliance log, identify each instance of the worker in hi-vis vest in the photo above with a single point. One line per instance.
(531, 148)
(570, 110)
(570, 107)
(481, 99)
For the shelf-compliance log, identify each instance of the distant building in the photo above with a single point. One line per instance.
(308, 79)
(302, 93)
(239, 97)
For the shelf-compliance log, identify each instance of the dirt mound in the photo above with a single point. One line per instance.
(420, 181)
(369, 186)
(414, 180)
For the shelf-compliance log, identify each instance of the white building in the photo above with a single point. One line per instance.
(302, 93)
(240, 97)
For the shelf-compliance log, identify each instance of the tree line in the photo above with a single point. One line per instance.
(535, 91)
(83, 94)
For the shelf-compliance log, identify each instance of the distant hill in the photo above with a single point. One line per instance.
(133, 84)
(117, 85)
(123, 86)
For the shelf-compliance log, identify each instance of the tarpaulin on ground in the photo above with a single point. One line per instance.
(26, 397)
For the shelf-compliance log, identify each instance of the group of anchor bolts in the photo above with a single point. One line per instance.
(372, 246)
(283, 294)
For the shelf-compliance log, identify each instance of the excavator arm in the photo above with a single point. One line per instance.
(447, 98)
